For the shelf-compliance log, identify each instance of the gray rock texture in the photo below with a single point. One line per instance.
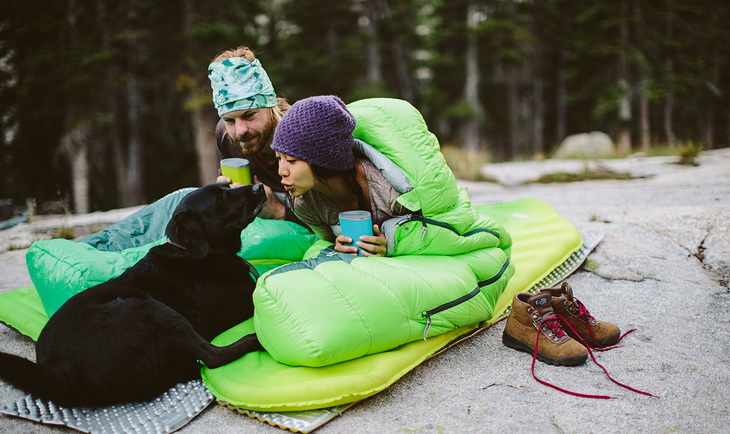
(595, 144)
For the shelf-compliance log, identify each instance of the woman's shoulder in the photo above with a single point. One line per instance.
(373, 175)
(383, 196)
(369, 168)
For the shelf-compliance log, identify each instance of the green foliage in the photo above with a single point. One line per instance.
(461, 110)
(691, 149)
(586, 175)
(689, 152)
(466, 164)
(371, 90)
(65, 232)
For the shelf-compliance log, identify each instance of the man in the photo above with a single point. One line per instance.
(249, 112)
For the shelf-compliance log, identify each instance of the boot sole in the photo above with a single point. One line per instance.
(512, 342)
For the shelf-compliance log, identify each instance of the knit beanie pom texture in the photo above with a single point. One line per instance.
(317, 130)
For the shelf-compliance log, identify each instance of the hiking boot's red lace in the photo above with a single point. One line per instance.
(583, 326)
(532, 324)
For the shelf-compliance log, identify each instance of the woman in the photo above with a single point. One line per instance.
(323, 176)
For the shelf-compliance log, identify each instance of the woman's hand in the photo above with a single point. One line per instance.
(372, 245)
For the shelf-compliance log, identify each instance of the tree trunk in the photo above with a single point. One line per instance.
(623, 140)
(560, 98)
(130, 191)
(469, 129)
(709, 112)
(669, 82)
(74, 145)
(374, 63)
(668, 113)
(403, 80)
(4, 190)
(538, 103)
(513, 112)
(205, 146)
(645, 126)
(126, 141)
(202, 121)
(119, 163)
(513, 100)
(624, 133)
(644, 83)
(80, 170)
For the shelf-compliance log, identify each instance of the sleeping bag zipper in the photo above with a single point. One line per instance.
(463, 298)
(448, 305)
(424, 220)
(389, 227)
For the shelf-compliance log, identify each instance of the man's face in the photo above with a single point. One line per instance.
(251, 129)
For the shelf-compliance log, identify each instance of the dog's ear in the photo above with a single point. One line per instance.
(184, 229)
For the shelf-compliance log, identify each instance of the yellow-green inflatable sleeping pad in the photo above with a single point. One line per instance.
(542, 241)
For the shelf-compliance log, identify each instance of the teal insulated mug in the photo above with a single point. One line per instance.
(354, 224)
(237, 169)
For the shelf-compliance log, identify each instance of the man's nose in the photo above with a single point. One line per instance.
(241, 127)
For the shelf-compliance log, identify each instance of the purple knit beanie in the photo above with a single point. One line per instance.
(317, 130)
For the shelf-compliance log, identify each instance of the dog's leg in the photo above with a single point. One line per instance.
(215, 357)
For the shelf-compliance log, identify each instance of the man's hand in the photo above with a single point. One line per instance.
(223, 180)
(273, 209)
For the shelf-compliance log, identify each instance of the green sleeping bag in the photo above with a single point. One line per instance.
(338, 307)
(394, 136)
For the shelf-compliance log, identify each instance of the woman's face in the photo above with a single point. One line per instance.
(296, 175)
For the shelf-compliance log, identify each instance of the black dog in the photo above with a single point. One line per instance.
(132, 338)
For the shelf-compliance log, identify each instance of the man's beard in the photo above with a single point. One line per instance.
(263, 138)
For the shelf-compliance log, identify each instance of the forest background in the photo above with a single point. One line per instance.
(106, 104)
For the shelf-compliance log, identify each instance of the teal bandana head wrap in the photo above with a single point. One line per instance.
(240, 85)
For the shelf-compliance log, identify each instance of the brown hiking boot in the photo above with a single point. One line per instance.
(533, 312)
(598, 334)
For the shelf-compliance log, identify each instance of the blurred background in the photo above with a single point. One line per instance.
(106, 104)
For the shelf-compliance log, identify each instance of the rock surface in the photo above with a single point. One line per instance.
(591, 145)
